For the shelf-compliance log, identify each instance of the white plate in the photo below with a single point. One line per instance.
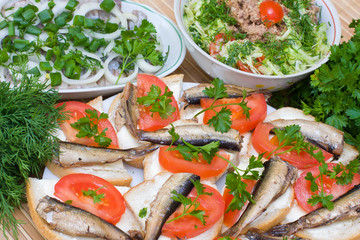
(136, 173)
(169, 37)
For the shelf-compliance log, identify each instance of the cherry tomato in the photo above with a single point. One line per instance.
(271, 12)
(71, 187)
(76, 110)
(220, 39)
(231, 217)
(190, 226)
(303, 192)
(152, 121)
(262, 143)
(256, 102)
(174, 162)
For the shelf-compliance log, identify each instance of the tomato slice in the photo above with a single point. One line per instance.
(147, 122)
(220, 39)
(175, 163)
(71, 187)
(262, 144)
(256, 102)
(76, 110)
(303, 192)
(243, 67)
(271, 12)
(190, 226)
(231, 217)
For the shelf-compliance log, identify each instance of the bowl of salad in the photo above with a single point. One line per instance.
(85, 49)
(258, 44)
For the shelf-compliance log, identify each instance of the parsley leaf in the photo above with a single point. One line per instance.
(159, 103)
(143, 212)
(222, 119)
(93, 193)
(191, 205)
(88, 127)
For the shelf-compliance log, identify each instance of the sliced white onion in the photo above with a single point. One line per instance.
(106, 36)
(114, 79)
(130, 17)
(109, 47)
(91, 79)
(146, 66)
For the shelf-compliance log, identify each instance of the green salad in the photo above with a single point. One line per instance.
(270, 37)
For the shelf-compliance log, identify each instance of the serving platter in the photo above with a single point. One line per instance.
(170, 39)
(137, 173)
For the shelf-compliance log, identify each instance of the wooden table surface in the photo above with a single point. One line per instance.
(347, 10)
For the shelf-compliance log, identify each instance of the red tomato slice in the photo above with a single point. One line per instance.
(215, 46)
(243, 67)
(303, 192)
(190, 226)
(175, 163)
(155, 122)
(271, 12)
(262, 144)
(71, 187)
(76, 110)
(231, 217)
(258, 110)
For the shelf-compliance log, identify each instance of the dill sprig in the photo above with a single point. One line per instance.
(28, 122)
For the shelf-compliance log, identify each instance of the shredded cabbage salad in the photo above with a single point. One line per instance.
(301, 45)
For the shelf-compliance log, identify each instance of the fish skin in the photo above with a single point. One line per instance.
(346, 206)
(198, 135)
(321, 134)
(278, 175)
(194, 94)
(259, 236)
(73, 154)
(66, 218)
(131, 108)
(163, 205)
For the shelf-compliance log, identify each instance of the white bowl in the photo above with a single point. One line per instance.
(231, 75)
(169, 37)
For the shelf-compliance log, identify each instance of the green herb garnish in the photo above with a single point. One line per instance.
(192, 204)
(143, 213)
(159, 102)
(88, 127)
(28, 121)
(94, 194)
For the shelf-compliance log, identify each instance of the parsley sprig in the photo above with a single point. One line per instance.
(136, 44)
(191, 205)
(88, 127)
(160, 103)
(97, 197)
(222, 119)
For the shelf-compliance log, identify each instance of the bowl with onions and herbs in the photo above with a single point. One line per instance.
(86, 48)
(258, 44)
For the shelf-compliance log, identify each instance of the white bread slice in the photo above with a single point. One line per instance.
(340, 230)
(38, 188)
(97, 103)
(115, 172)
(143, 194)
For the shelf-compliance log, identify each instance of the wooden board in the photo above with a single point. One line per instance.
(347, 9)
